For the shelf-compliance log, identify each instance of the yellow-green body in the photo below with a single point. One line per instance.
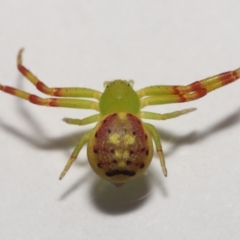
(120, 145)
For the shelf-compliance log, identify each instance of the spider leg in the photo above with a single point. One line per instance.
(156, 139)
(59, 92)
(75, 153)
(51, 102)
(165, 116)
(84, 121)
(173, 94)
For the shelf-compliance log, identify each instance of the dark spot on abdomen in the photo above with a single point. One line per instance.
(142, 165)
(118, 172)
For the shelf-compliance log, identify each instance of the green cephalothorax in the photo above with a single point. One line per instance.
(120, 145)
(119, 94)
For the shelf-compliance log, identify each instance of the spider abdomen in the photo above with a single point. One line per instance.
(120, 147)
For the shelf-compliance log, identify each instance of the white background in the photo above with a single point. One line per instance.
(84, 43)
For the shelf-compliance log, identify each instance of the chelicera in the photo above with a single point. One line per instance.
(120, 146)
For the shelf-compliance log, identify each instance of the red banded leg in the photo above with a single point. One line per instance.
(172, 94)
(59, 92)
(52, 102)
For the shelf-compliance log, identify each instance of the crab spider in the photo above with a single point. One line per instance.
(120, 146)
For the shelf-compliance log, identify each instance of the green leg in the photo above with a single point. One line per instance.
(158, 116)
(75, 153)
(156, 139)
(84, 121)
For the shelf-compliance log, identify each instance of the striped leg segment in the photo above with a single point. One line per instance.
(165, 116)
(75, 153)
(173, 94)
(59, 92)
(51, 102)
(156, 139)
(84, 121)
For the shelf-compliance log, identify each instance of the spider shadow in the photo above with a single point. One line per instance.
(131, 196)
(114, 201)
(39, 140)
(194, 137)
